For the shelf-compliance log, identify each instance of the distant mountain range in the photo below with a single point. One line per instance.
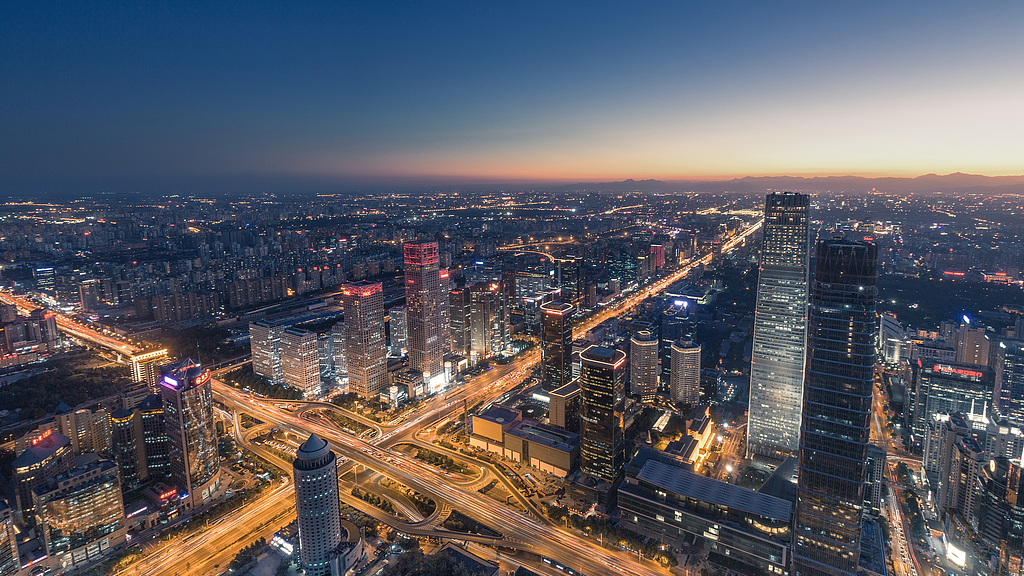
(956, 182)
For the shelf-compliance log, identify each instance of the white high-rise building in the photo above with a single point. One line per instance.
(684, 383)
(643, 366)
(300, 361)
(365, 351)
(317, 505)
(265, 342)
(780, 329)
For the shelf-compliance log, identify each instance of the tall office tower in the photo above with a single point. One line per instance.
(365, 350)
(570, 273)
(300, 361)
(675, 324)
(129, 453)
(780, 327)
(191, 437)
(325, 356)
(684, 385)
(88, 296)
(154, 436)
(399, 331)
(556, 338)
(48, 454)
(602, 443)
(146, 367)
(10, 560)
(317, 505)
(340, 361)
(941, 387)
(47, 321)
(80, 513)
(1009, 374)
(488, 326)
(265, 342)
(461, 321)
(658, 256)
(424, 300)
(446, 321)
(46, 280)
(835, 426)
(643, 366)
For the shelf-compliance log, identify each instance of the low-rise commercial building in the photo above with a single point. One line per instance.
(544, 447)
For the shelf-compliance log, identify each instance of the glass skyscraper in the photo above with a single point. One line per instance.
(602, 442)
(557, 342)
(191, 437)
(365, 351)
(316, 505)
(425, 296)
(835, 428)
(780, 326)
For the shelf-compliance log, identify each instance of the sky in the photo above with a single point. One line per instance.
(121, 96)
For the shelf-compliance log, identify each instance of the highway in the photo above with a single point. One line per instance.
(71, 326)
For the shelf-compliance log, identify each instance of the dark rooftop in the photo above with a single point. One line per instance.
(697, 487)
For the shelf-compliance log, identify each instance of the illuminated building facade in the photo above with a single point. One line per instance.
(146, 367)
(950, 387)
(461, 320)
(191, 437)
(835, 424)
(10, 560)
(684, 385)
(780, 329)
(643, 366)
(1009, 375)
(488, 322)
(365, 346)
(265, 342)
(317, 506)
(602, 433)
(48, 455)
(300, 361)
(425, 296)
(556, 339)
(80, 512)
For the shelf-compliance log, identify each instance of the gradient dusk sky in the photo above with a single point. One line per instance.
(127, 95)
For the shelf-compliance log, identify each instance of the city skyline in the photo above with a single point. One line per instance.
(207, 98)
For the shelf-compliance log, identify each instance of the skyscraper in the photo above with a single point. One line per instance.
(780, 326)
(425, 296)
(317, 506)
(643, 366)
(602, 444)
(835, 427)
(488, 327)
(461, 320)
(684, 385)
(557, 344)
(191, 437)
(1009, 374)
(399, 331)
(265, 341)
(300, 361)
(365, 352)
